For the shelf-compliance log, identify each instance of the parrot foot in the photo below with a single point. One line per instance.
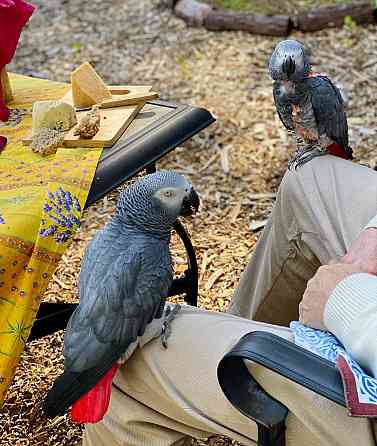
(305, 154)
(168, 316)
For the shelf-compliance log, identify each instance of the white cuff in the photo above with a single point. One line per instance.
(372, 223)
(351, 315)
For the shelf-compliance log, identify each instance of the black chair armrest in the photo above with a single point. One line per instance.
(291, 361)
(136, 151)
(244, 392)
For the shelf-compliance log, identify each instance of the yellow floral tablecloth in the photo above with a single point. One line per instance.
(41, 202)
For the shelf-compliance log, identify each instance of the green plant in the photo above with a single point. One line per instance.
(349, 23)
(237, 5)
(181, 62)
(76, 47)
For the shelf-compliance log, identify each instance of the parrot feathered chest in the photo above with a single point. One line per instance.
(304, 122)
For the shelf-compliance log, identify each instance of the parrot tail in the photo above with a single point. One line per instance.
(337, 150)
(93, 405)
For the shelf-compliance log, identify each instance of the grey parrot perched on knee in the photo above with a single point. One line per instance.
(125, 277)
(308, 104)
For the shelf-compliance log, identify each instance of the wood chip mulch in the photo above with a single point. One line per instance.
(236, 164)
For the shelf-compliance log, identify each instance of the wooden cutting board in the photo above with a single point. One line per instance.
(114, 122)
(121, 95)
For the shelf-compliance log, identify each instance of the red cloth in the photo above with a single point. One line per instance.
(356, 390)
(14, 14)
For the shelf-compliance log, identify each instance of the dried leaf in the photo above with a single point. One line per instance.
(215, 276)
(235, 212)
(224, 159)
(261, 196)
(203, 266)
(258, 225)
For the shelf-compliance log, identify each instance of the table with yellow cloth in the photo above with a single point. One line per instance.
(41, 202)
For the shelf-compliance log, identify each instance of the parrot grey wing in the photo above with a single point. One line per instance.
(328, 109)
(283, 107)
(128, 299)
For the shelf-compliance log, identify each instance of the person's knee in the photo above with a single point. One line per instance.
(303, 183)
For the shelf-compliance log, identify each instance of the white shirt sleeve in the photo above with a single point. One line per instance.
(372, 223)
(351, 315)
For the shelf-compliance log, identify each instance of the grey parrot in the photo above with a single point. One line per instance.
(308, 104)
(125, 277)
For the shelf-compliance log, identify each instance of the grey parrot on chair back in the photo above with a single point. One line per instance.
(308, 104)
(124, 280)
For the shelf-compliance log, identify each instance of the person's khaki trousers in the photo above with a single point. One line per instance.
(168, 396)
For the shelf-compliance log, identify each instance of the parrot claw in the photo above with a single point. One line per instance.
(166, 326)
(305, 154)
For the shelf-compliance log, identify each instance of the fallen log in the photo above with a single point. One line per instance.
(196, 13)
(333, 16)
(274, 25)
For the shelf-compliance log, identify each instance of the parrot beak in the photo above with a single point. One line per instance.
(289, 66)
(190, 204)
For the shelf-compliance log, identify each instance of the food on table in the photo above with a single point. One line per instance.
(89, 124)
(50, 120)
(47, 141)
(87, 87)
(55, 115)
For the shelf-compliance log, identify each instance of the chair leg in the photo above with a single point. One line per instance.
(273, 436)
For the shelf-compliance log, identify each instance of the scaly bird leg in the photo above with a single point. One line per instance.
(302, 150)
(168, 316)
(316, 151)
(305, 153)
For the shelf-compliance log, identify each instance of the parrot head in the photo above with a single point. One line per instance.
(290, 61)
(156, 201)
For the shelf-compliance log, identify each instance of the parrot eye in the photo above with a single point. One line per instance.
(168, 193)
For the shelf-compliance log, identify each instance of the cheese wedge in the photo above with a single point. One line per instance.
(87, 87)
(54, 115)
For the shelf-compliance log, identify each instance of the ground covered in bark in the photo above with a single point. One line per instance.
(236, 164)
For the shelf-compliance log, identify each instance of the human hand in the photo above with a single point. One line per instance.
(319, 289)
(363, 252)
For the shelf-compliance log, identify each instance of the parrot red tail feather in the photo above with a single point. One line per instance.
(92, 406)
(336, 150)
